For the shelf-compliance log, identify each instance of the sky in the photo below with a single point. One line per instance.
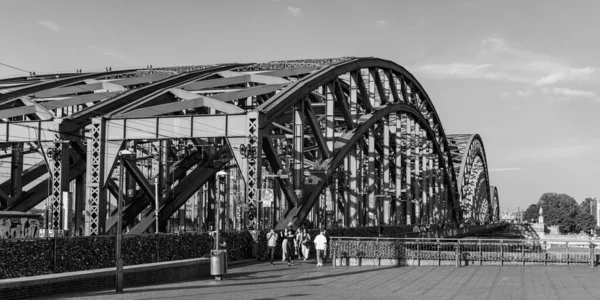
(522, 74)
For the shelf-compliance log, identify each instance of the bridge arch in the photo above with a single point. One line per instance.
(475, 198)
(376, 89)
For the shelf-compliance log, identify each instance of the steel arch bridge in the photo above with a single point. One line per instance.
(351, 141)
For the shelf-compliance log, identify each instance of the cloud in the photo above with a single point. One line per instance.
(107, 52)
(52, 25)
(568, 92)
(570, 74)
(495, 59)
(293, 10)
(504, 169)
(525, 93)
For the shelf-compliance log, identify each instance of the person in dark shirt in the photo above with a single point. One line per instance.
(291, 240)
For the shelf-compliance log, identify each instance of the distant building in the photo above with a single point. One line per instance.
(512, 216)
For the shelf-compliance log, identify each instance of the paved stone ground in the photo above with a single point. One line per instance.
(306, 281)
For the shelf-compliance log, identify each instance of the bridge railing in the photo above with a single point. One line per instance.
(460, 252)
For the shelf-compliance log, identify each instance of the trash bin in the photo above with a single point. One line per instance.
(218, 262)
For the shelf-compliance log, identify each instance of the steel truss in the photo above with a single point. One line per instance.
(342, 142)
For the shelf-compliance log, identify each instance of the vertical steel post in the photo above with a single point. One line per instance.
(417, 173)
(156, 203)
(298, 148)
(372, 206)
(353, 201)
(409, 145)
(430, 199)
(437, 208)
(398, 158)
(118, 258)
(386, 170)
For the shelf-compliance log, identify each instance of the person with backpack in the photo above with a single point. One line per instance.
(304, 244)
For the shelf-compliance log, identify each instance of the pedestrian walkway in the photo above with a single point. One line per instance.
(305, 280)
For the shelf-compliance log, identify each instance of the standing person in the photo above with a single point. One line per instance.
(284, 245)
(298, 242)
(271, 243)
(305, 244)
(291, 238)
(321, 246)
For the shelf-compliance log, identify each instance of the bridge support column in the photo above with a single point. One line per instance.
(372, 218)
(16, 171)
(60, 183)
(417, 157)
(400, 216)
(386, 170)
(409, 187)
(436, 196)
(354, 198)
(424, 179)
(298, 157)
(431, 199)
(254, 166)
(79, 204)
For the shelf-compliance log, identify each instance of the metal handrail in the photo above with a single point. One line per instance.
(463, 240)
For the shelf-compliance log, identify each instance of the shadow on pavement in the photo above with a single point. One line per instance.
(208, 283)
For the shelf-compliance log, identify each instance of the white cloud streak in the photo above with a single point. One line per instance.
(525, 93)
(293, 10)
(570, 74)
(496, 60)
(52, 25)
(569, 92)
(107, 52)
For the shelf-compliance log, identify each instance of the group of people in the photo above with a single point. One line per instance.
(296, 244)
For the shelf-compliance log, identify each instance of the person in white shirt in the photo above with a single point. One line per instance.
(272, 243)
(321, 247)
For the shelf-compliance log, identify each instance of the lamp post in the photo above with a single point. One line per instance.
(123, 155)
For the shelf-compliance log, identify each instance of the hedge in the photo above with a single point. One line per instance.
(36, 257)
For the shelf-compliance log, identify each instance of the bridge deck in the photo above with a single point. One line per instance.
(306, 281)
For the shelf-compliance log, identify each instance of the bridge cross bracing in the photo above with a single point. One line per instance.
(345, 141)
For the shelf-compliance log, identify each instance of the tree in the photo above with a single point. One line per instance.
(559, 210)
(532, 212)
(585, 206)
(585, 222)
